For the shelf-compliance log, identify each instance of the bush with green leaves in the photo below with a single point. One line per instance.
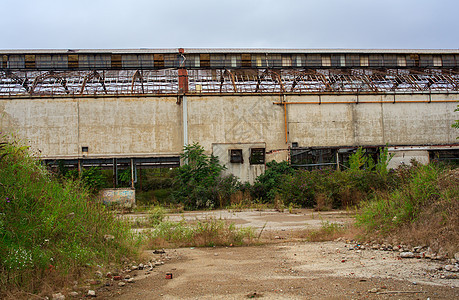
(92, 178)
(199, 182)
(268, 184)
(420, 187)
(335, 188)
(50, 227)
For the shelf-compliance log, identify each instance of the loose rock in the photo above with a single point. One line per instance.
(407, 254)
(58, 296)
(91, 293)
(451, 268)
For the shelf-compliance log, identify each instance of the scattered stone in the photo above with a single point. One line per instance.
(141, 266)
(159, 251)
(109, 275)
(117, 277)
(456, 256)
(254, 295)
(94, 282)
(91, 293)
(109, 237)
(121, 283)
(133, 268)
(215, 254)
(373, 290)
(99, 274)
(451, 268)
(127, 276)
(407, 254)
(58, 296)
(73, 294)
(131, 280)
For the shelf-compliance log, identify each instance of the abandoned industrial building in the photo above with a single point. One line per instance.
(138, 108)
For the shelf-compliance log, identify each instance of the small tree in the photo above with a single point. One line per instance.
(196, 181)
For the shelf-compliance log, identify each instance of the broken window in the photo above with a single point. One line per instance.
(236, 156)
(257, 156)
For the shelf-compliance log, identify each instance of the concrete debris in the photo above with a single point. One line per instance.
(407, 254)
(451, 268)
(58, 296)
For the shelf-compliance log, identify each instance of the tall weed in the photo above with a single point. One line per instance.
(50, 228)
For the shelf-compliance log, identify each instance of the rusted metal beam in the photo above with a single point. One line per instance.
(89, 77)
(138, 75)
(232, 79)
(166, 81)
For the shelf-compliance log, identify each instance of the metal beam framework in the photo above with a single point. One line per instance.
(226, 81)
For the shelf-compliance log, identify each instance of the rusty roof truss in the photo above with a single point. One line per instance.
(225, 81)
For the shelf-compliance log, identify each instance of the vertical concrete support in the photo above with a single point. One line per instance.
(115, 173)
(79, 167)
(185, 120)
(285, 123)
(337, 160)
(132, 172)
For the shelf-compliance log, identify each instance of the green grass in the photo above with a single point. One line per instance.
(201, 233)
(389, 210)
(422, 210)
(51, 228)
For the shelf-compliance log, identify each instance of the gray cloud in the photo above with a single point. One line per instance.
(61, 24)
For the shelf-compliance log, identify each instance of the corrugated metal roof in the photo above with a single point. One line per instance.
(231, 50)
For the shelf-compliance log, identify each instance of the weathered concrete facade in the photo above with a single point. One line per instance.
(153, 126)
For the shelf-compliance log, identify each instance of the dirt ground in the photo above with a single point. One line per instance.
(286, 270)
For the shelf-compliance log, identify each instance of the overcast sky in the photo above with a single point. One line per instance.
(118, 24)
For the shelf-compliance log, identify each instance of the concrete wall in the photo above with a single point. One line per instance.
(141, 126)
(109, 127)
(244, 170)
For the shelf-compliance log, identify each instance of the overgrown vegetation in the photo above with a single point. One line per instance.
(199, 182)
(422, 209)
(51, 230)
(200, 233)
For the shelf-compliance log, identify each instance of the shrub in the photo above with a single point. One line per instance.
(199, 183)
(92, 178)
(389, 210)
(268, 184)
(49, 228)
